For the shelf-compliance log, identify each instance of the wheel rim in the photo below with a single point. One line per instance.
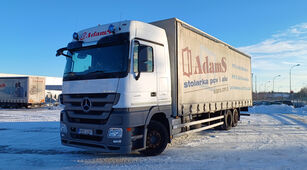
(153, 139)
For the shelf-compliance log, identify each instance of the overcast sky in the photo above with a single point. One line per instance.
(273, 32)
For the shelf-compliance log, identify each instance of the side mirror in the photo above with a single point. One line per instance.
(61, 52)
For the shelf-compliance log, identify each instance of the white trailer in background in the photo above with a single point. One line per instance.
(53, 87)
(132, 86)
(22, 91)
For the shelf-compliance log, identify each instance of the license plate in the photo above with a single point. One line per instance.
(85, 131)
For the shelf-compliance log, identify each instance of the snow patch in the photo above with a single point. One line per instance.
(267, 139)
(286, 109)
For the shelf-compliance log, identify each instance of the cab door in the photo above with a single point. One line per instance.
(143, 82)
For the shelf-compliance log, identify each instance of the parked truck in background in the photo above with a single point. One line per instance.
(133, 86)
(22, 91)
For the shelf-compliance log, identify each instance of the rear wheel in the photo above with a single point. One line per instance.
(235, 118)
(156, 139)
(227, 120)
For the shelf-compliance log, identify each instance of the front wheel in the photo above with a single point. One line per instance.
(156, 139)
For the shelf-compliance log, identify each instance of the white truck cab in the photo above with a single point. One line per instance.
(122, 68)
(119, 72)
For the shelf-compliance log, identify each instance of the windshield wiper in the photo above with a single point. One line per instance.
(98, 71)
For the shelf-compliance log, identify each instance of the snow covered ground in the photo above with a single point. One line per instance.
(273, 137)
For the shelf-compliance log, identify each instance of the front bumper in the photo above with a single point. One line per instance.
(99, 141)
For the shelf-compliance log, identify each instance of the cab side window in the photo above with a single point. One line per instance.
(135, 56)
(143, 58)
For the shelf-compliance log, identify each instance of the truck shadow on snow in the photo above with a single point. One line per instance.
(41, 138)
(7, 149)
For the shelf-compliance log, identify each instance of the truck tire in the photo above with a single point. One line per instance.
(156, 139)
(235, 118)
(227, 120)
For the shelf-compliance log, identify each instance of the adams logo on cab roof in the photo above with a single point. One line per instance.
(86, 35)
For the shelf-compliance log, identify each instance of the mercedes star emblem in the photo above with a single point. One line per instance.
(86, 104)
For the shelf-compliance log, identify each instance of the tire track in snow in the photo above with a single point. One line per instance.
(296, 121)
(282, 120)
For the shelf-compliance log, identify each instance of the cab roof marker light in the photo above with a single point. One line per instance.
(112, 28)
(75, 36)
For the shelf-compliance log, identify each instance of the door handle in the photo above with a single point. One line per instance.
(153, 94)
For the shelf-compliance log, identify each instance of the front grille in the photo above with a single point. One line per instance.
(80, 112)
(100, 107)
(99, 102)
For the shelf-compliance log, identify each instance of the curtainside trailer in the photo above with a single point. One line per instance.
(22, 91)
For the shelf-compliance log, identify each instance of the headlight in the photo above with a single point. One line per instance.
(115, 133)
(63, 128)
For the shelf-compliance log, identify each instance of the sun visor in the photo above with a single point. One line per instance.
(96, 33)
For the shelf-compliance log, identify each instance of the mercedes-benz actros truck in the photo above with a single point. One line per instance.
(133, 86)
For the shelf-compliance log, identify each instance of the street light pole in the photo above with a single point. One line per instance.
(273, 82)
(265, 89)
(265, 85)
(290, 75)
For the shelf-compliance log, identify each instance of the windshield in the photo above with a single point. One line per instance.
(109, 61)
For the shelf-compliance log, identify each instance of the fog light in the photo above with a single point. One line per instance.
(115, 133)
(63, 128)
